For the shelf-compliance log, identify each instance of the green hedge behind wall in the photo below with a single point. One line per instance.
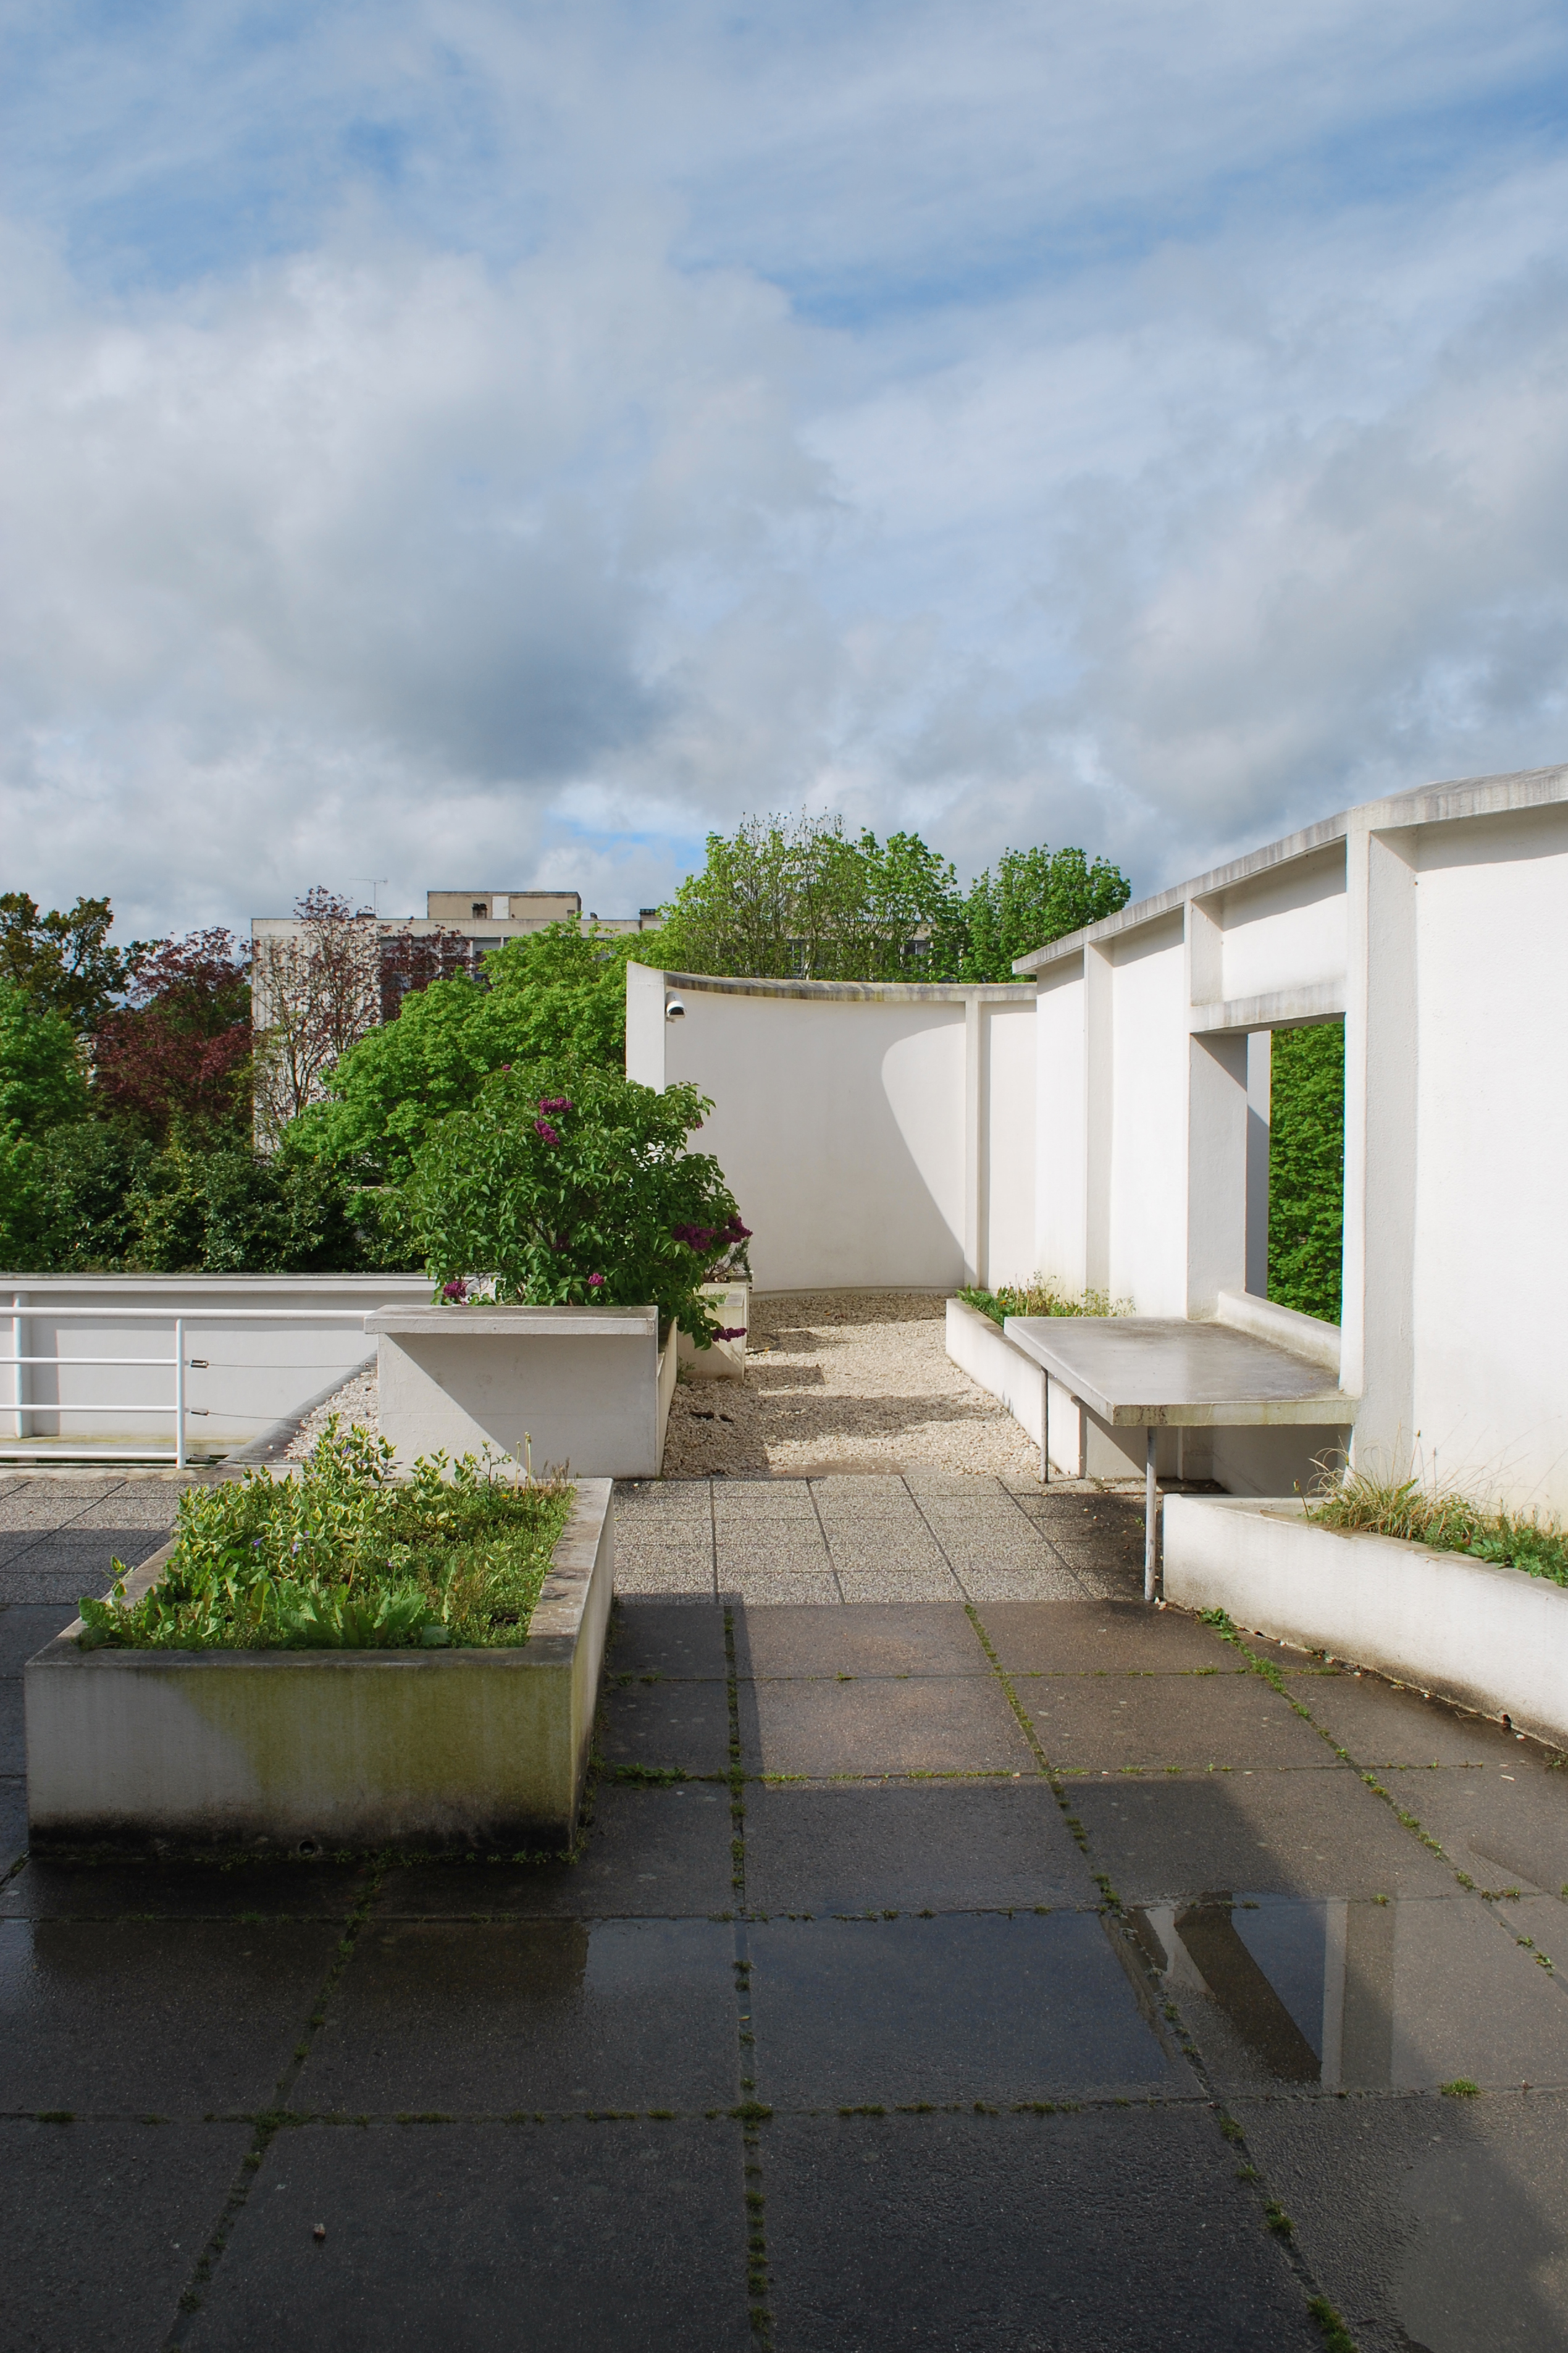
(1306, 1169)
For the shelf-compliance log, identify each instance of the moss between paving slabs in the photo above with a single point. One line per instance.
(346, 1557)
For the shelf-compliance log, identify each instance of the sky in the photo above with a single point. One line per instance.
(490, 445)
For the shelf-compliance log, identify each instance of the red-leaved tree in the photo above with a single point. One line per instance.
(176, 1056)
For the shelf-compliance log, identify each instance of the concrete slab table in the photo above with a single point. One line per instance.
(1162, 1372)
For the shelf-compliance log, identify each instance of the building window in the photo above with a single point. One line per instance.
(480, 907)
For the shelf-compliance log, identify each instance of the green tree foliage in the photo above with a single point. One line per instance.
(783, 898)
(1035, 896)
(1306, 1169)
(43, 1077)
(778, 898)
(577, 1188)
(63, 961)
(555, 995)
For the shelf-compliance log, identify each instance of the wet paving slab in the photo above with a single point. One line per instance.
(953, 1846)
(469, 2236)
(1121, 2231)
(493, 2018)
(1090, 1963)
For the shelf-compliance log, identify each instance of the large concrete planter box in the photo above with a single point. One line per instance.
(1492, 1639)
(588, 1387)
(291, 1751)
(723, 1360)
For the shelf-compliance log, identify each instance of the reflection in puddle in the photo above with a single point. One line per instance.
(1311, 1988)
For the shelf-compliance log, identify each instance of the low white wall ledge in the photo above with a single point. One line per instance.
(1285, 1327)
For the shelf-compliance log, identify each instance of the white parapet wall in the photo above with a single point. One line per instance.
(581, 1388)
(1492, 1639)
(290, 1751)
(721, 1360)
(245, 1369)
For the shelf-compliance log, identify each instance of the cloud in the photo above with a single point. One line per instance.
(502, 444)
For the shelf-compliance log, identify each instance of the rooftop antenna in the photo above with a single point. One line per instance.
(376, 881)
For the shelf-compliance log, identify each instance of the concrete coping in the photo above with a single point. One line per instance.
(518, 1323)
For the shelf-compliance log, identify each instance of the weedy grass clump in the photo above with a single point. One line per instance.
(345, 1557)
(1434, 1515)
(1040, 1298)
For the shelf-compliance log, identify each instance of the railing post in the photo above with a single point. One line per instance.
(17, 1325)
(179, 1392)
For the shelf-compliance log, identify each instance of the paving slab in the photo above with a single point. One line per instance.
(56, 1888)
(53, 1568)
(139, 1504)
(960, 2007)
(930, 1723)
(175, 2018)
(103, 2226)
(864, 1495)
(673, 1573)
(1378, 1724)
(13, 1729)
(561, 2238)
(1306, 1833)
(1506, 1824)
(1163, 1720)
(26, 1626)
(1112, 2232)
(12, 1819)
(479, 2017)
(661, 1851)
(38, 1505)
(1083, 1637)
(952, 1846)
(987, 1583)
(668, 1639)
(1436, 2223)
(762, 1588)
(1402, 1996)
(934, 1639)
(863, 1580)
(683, 1727)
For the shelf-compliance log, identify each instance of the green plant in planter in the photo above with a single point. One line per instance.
(345, 1557)
(577, 1188)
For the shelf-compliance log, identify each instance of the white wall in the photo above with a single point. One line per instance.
(256, 1372)
(875, 1137)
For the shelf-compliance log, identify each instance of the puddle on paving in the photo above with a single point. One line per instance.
(1357, 1995)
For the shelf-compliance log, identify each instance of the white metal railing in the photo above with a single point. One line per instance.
(28, 1448)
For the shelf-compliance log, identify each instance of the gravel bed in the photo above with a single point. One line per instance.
(835, 1381)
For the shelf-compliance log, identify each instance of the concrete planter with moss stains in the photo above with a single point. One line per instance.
(589, 1388)
(310, 1751)
(1492, 1639)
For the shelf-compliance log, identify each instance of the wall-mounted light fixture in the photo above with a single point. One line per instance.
(674, 1010)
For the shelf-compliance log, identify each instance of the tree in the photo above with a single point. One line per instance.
(778, 898)
(1036, 896)
(318, 991)
(43, 1078)
(557, 995)
(785, 897)
(63, 961)
(177, 1056)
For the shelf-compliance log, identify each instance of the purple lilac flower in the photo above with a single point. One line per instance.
(555, 1102)
(731, 1332)
(456, 1290)
(542, 1127)
(595, 1280)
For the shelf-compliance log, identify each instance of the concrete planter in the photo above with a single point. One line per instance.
(286, 1751)
(1492, 1639)
(1082, 1446)
(589, 1387)
(725, 1360)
